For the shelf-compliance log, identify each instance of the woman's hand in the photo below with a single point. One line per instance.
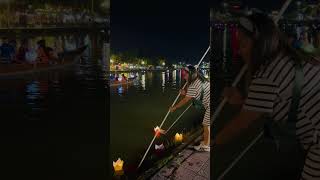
(183, 92)
(172, 109)
(233, 96)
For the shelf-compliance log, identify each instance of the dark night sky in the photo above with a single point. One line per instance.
(174, 29)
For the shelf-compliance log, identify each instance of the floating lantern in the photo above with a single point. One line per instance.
(158, 131)
(118, 166)
(178, 138)
(159, 147)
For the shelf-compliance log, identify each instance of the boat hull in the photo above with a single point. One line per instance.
(67, 59)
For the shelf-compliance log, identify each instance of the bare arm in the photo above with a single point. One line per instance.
(238, 124)
(184, 101)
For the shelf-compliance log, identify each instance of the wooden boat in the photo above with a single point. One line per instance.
(67, 59)
(114, 84)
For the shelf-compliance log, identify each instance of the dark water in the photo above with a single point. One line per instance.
(53, 124)
(137, 108)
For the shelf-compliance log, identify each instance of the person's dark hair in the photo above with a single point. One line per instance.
(268, 40)
(42, 43)
(194, 74)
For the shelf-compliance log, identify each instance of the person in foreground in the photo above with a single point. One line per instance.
(198, 90)
(272, 62)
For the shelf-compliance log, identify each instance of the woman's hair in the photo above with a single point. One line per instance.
(194, 74)
(268, 40)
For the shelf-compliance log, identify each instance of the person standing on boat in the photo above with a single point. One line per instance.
(198, 91)
(274, 66)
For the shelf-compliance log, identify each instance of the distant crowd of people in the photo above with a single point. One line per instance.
(48, 17)
(28, 53)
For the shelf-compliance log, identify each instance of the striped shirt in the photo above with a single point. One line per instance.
(271, 92)
(194, 91)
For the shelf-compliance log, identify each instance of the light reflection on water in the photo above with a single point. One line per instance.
(147, 81)
(174, 77)
(163, 81)
(143, 81)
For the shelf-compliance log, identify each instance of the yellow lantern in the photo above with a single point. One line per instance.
(178, 137)
(118, 165)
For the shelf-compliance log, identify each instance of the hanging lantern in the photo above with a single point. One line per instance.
(178, 138)
(158, 131)
(118, 166)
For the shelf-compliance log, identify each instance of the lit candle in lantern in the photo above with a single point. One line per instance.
(158, 131)
(118, 166)
(178, 138)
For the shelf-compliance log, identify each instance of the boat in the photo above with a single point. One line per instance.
(66, 59)
(117, 83)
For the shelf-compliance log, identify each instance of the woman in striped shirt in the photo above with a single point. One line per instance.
(198, 89)
(271, 62)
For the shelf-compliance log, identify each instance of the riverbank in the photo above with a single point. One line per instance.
(188, 164)
(148, 70)
(177, 165)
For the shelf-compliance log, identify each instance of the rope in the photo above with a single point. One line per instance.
(165, 118)
(284, 7)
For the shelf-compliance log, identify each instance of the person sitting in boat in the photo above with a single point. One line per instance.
(124, 78)
(31, 54)
(53, 56)
(112, 77)
(7, 51)
(21, 54)
(43, 56)
(198, 90)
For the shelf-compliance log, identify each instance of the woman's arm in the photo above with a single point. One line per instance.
(238, 124)
(184, 101)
